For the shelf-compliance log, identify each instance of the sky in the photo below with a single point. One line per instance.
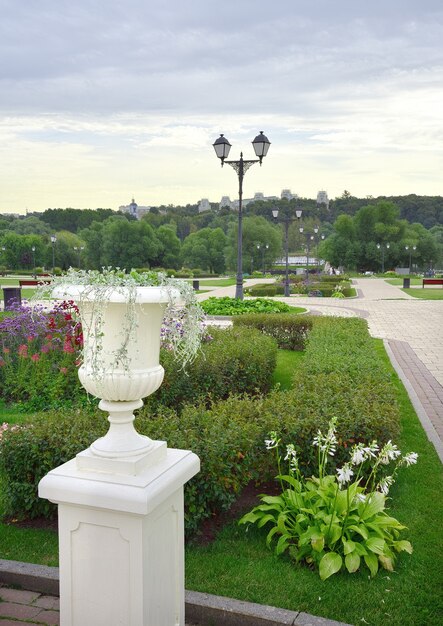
(105, 100)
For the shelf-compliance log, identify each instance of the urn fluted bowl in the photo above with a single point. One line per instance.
(121, 334)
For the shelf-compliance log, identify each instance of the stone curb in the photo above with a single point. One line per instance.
(203, 608)
(426, 423)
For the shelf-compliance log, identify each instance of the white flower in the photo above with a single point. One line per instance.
(273, 441)
(344, 474)
(385, 484)
(360, 497)
(388, 453)
(290, 452)
(358, 455)
(410, 459)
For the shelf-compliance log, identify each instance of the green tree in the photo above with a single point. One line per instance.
(169, 254)
(205, 249)
(256, 230)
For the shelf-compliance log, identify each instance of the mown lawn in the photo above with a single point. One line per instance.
(239, 565)
(428, 293)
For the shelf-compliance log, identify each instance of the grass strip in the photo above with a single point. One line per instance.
(239, 565)
(287, 363)
(428, 293)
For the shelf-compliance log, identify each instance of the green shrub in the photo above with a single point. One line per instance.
(235, 306)
(236, 361)
(265, 290)
(289, 330)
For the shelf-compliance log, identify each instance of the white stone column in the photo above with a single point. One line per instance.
(121, 537)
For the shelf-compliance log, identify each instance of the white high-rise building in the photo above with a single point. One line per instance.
(204, 205)
(322, 198)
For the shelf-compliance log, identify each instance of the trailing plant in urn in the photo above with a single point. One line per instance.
(121, 316)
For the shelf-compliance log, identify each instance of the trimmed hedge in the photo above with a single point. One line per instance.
(235, 306)
(290, 331)
(239, 360)
(341, 375)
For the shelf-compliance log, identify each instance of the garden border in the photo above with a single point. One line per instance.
(206, 609)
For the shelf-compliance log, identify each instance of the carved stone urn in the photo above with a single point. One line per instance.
(121, 350)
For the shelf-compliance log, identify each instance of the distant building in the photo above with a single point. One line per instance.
(134, 209)
(204, 205)
(286, 193)
(225, 202)
(322, 198)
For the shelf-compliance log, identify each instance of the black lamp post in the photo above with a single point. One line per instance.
(33, 257)
(263, 247)
(410, 248)
(79, 250)
(222, 146)
(53, 242)
(382, 248)
(309, 238)
(287, 219)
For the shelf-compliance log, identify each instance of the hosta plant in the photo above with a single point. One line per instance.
(335, 521)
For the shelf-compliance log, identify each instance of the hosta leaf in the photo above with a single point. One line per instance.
(272, 500)
(386, 562)
(318, 542)
(403, 545)
(250, 518)
(375, 505)
(282, 544)
(360, 549)
(334, 533)
(352, 562)
(291, 480)
(348, 546)
(385, 520)
(372, 562)
(360, 529)
(271, 533)
(375, 544)
(341, 503)
(330, 564)
(265, 519)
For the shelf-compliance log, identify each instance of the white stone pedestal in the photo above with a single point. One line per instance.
(121, 537)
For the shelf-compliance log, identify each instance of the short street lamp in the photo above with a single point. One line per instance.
(53, 242)
(410, 248)
(79, 250)
(263, 247)
(309, 239)
(222, 146)
(382, 248)
(33, 256)
(287, 219)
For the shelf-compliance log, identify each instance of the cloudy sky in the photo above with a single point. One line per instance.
(102, 100)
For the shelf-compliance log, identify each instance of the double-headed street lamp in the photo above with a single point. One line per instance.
(410, 248)
(287, 219)
(263, 247)
(309, 239)
(383, 248)
(222, 147)
(53, 242)
(79, 250)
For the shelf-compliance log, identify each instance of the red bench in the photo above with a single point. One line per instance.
(432, 281)
(32, 282)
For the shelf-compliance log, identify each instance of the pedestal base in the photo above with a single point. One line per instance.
(121, 542)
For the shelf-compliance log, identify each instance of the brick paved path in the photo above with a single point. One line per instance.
(18, 605)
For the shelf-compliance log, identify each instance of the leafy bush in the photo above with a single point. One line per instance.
(289, 330)
(235, 306)
(39, 353)
(329, 522)
(264, 290)
(235, 361)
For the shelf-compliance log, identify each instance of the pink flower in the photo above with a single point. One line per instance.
(45, 348)
(6, 350)
(35, 357)
(2, 362)
(67, 347)
(23, 350)
(64, 370)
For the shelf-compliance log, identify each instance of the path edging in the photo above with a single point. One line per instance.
(204, 608)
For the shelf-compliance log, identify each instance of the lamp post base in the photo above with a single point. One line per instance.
(121, 541)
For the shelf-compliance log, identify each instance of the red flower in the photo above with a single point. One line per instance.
(23, 350)
(64, 370)
(35, 357)
(67, 347)
(6, 350)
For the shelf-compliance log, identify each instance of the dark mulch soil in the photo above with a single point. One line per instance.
(247, 499)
